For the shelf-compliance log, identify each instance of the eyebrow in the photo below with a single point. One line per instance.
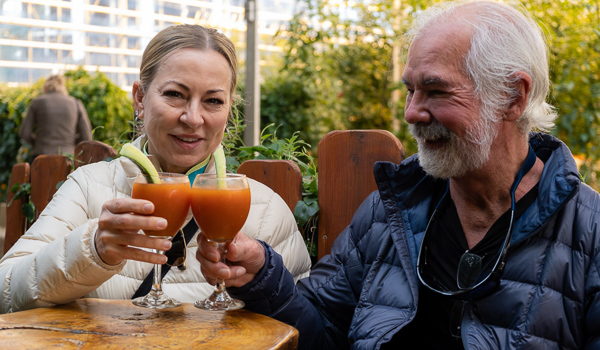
(183, 86)
(170, 81)
(430, 81)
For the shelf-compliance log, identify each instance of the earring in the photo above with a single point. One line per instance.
(136, 118)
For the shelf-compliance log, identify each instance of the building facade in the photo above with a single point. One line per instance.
(43, 37)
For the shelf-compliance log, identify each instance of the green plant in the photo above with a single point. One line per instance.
(24, 191)
(272, 147)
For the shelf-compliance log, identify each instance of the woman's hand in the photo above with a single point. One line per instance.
(118, 238)
(245, 257)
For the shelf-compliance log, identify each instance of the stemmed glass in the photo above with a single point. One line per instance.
(220, 206)
(171, 198)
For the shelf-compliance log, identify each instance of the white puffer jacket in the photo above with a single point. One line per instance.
(56, 261)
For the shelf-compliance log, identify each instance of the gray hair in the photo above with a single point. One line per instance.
(505, 41)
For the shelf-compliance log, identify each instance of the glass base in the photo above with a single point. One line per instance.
(156, 300)
(219, 302)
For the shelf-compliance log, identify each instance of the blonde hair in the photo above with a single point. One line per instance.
(185, 36)
(55, 83)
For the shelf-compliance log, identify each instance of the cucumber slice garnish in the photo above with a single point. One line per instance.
(138, 157)
(221, 165)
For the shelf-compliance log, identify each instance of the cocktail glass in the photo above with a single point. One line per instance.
(220, 206)
(171, 198)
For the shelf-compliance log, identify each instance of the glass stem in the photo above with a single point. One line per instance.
(157, 280)
(220, 283)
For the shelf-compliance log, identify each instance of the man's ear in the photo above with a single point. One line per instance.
(521, 88)
(138, 96)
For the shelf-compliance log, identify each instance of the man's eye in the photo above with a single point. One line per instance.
(410, 91)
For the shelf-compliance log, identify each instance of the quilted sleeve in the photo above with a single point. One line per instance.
(592, 319)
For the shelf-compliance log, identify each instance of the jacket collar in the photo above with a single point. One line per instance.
(408, 188)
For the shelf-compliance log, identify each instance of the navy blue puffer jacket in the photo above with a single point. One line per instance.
(366, 290)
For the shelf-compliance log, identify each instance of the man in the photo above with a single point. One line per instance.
(486, 239)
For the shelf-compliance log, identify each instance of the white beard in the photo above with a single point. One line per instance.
(459, 155)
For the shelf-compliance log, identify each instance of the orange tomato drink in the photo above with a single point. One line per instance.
(220, 211)
(171, 200)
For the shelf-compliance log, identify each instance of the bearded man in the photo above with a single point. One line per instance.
(486, 239)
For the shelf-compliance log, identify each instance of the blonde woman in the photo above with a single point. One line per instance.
(86, 241)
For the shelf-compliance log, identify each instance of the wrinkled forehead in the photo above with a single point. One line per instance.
(441, 47)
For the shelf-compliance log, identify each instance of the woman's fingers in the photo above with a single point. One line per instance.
(129, 205)
(117, 253)
(118, 236)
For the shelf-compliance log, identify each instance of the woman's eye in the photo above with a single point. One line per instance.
(173, 93)
(214, 101)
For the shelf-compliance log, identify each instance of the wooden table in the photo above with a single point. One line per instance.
(117, 324)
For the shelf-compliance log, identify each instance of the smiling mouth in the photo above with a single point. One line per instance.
(187, 139)
(433, 139)
(435, 142)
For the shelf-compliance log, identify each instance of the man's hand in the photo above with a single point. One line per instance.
(245, 257)
(118, 238)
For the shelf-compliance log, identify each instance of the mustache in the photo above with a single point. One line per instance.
(429, 131)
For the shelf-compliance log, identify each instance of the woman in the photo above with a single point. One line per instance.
(86, 242)
(55, 122)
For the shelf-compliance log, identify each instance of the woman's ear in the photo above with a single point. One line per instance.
(138, 96)
(522, 88)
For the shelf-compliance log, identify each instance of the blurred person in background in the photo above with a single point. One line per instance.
(55, 122)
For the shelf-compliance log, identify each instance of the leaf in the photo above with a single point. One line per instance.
(303, 212)
(29, 211)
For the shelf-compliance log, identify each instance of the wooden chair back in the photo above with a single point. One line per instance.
(345, 168)
(282, 176)
(87, 152)
(46, 172)
(16, 223)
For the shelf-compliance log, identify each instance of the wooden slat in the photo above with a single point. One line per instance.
(46, 172)
(345, 168)
(15, 220)
(87, 152)
(282, 176)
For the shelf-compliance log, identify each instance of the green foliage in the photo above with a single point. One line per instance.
(573, 35)
(13, 103)
(334, 75)
(108, 107)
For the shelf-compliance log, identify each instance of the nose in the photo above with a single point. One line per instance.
(416, 109)
(193, 115)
